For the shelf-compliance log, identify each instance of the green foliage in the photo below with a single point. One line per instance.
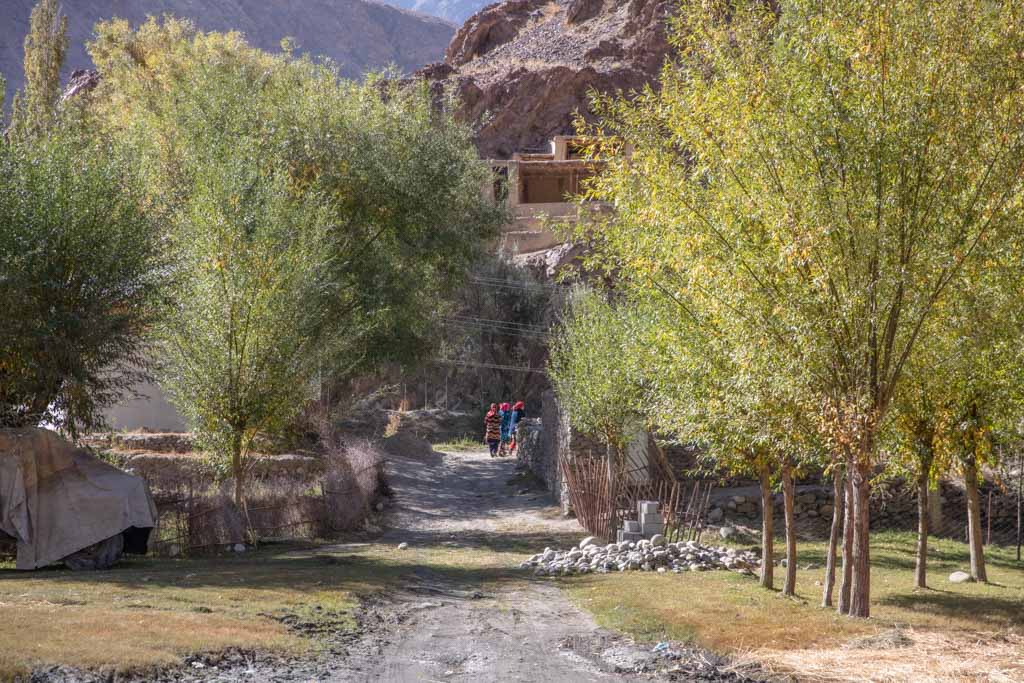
(401, 181)
(320, 224)
(596, 366)
(80, 272)
(813, 186)
(825, 202)
(255, 303)
(46, 46)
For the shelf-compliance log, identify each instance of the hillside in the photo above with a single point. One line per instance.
(523, 67)
(452, 10)
(358, 34)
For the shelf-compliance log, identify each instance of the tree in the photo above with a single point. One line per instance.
(920, 412)
(597, 371)
(46, 46)
(320, 224)
(81, 272)
(255, 307)
(816, 180)
(402, 180)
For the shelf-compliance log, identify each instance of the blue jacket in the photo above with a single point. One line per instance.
(506, 421)
(517, 415)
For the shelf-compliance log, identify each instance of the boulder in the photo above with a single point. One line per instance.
(960, 577)
(588, 541)
(579, 11)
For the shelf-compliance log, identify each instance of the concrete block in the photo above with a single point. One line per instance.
(630, 536)
(647, 507)
(648, 518)
(631, 526)
(649, 530)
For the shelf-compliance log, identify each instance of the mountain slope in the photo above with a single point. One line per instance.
(358, 34)
(522, 69)
(452, 10)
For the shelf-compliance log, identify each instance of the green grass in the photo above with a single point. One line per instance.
(727, 612)
(462, 445)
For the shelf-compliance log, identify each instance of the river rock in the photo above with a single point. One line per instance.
(960, 577)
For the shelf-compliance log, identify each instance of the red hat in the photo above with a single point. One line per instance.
(519, 405)
(505, 406)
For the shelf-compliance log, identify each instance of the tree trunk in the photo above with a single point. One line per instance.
(974, 519)
(237, 470)
(847, 582)
(921, 568)
(767, 530)
(833, 537)
(789, 588)
(860, 587)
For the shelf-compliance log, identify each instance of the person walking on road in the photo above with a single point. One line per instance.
(518, 413)
(492, 429)
(506, 434)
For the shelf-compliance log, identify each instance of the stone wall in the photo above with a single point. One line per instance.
(893, 506)
(544, 442)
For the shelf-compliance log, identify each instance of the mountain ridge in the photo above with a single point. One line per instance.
(360, 35)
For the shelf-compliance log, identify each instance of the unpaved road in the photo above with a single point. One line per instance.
(524, 630)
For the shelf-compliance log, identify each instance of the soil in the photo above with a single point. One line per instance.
(453, 627)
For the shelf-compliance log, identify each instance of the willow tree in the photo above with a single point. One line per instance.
(597, 371)
(318, 225)
(815, 179)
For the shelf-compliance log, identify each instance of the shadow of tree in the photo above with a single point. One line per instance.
(995, 611)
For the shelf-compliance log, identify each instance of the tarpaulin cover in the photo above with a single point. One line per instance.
(56, 499)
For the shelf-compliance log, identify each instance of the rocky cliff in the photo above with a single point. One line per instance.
(358, 34)
(521, 68)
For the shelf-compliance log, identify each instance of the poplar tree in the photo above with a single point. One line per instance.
(46, 47)
(816, 178)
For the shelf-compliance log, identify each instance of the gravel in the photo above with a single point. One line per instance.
(654, 555)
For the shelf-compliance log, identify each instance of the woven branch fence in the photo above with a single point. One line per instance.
(603, 495)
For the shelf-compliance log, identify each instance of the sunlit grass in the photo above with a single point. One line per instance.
(728, 612)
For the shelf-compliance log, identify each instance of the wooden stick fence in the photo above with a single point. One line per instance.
(591, 487)
(603, 497)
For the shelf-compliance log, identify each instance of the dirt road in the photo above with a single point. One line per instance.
(523, 630)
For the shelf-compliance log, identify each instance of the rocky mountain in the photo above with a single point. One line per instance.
(521, 68)
(358, 34)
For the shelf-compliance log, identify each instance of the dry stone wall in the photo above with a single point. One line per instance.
(544, 442)
(893, 506)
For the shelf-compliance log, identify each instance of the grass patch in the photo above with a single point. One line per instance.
(728, 612)
(463, 445)
(151, 612)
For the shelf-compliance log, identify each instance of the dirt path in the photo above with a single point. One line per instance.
(523, 630)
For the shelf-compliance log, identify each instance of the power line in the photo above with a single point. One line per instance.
(475, 327)
(507, 324)
(492, 366)
(517, 284)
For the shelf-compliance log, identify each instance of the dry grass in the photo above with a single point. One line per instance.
(936, 657)
(950, 627)
(115, 639)
(151, 612)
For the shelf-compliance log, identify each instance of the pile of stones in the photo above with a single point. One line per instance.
(654, 555)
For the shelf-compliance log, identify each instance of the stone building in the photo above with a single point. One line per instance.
(538, 189)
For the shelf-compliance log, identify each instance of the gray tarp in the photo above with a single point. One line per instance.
(56, 499)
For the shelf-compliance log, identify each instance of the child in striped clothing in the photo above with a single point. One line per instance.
(492, 429)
